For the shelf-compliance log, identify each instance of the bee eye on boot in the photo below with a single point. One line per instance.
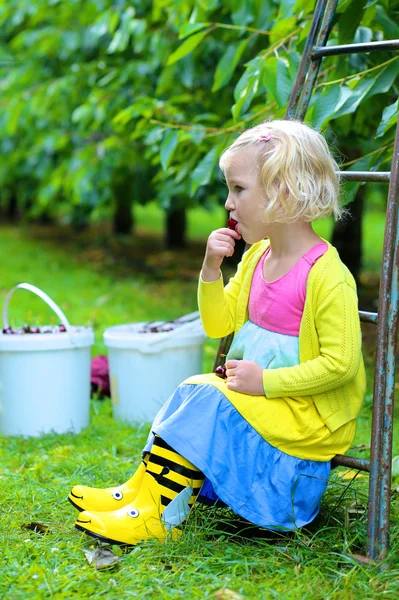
(133, 513)
(117, 495)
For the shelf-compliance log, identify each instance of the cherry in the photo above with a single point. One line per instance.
(220, 371)
(26, 329)
(232, 224)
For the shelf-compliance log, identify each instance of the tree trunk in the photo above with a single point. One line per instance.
(11, 211)
(347, 235)
(79, 218)
(123, 215)
(176, 226)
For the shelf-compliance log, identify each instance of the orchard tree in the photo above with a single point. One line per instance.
(67, 68)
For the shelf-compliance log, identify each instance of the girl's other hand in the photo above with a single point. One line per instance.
(245, 376)
(220, 243)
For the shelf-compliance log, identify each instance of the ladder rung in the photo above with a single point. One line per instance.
(368, 317)
(351, 461)
(383, 176)
(320, 51)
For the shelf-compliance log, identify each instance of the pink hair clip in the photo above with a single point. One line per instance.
(265, 138)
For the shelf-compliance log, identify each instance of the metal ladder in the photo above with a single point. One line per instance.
(379, 465)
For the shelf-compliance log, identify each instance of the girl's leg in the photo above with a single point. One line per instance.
(168, 490)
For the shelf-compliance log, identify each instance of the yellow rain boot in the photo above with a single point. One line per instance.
(97, 499)
(168, 490)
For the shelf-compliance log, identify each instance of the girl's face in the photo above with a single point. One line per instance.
(246, 197)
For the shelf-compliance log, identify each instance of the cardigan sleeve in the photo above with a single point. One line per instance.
(339, 335)
(218, 304)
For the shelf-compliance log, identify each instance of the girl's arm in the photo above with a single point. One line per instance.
(217, 304)
(338, 328)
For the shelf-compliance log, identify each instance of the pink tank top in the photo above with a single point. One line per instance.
(278, 305)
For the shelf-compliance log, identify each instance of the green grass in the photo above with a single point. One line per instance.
(101, 283)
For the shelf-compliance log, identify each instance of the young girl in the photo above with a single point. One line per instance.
(261, 440)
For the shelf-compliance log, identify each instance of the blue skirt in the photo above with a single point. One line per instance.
(257, 481)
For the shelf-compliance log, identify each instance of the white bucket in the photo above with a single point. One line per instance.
(44, 378)
(145, 369)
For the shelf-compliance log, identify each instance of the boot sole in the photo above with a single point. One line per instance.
(75, 505)
(101, 538)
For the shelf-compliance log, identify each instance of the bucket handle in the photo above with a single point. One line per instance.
(47, 300)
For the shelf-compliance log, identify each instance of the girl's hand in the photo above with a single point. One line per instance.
(245, 376)
(220, 243)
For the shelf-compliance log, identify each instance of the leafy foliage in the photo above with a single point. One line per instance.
(104, 95)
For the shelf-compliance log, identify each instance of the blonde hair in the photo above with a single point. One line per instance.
(296, 169)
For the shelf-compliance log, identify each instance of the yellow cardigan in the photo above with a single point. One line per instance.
(331, 369)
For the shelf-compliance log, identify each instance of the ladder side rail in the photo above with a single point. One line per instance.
(320, 51)
(314, 67)
(224, 346)
(306, 58)
(384, 386)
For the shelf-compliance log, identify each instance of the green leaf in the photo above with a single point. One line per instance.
(168, 147)
(242, 13)
(187, 46)
(342, 6)
(389, 119)
(351, 188)
(286, 7)
(282, 28)
(325, 105)
(203, 171)
(390, 28)
(385, 79)
(283, 82)
(270, 76)
(119, 42)
(395, 466)
(350, 20)
(246, 94)
(306, 5)
(363, 35)
(208, 5)
(366, 88)
(81, 113)
(264, 11)
(355, 97)
(190, 28)
(14, 117)
(278, 77)
(227, 64)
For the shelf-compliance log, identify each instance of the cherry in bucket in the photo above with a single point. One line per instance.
(29, 329)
